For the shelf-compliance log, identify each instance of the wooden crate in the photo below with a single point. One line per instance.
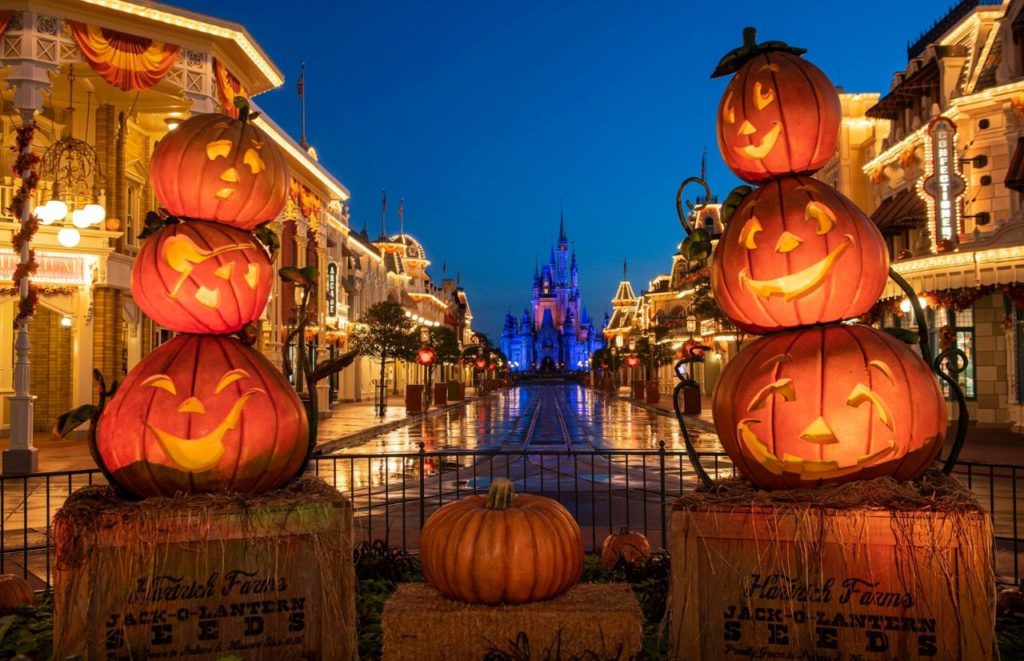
(206, 577)
(759, 581)
(420, 624)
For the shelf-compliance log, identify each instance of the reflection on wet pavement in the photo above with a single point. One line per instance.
(542, 415)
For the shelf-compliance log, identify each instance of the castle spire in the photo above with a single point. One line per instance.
(562, 238)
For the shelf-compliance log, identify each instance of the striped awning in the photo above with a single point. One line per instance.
(899, 212)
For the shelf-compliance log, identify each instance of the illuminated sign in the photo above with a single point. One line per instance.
(332, 289)
(54, 269)
(943, 186)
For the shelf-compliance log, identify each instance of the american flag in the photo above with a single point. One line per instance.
(301, 84)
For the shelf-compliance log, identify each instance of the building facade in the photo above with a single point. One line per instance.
(556, 333)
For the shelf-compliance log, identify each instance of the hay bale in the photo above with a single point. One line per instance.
(419, 623)
(871, 570)
(205, 577)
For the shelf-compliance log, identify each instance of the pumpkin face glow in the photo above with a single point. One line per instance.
(212, 167)
(780, 115)
(203, 413)
(829, 404)
(198, 277)
(797, 253)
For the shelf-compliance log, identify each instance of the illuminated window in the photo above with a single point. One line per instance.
(962, 324)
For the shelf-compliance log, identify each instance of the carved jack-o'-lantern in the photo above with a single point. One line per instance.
(829, 404)
(780, 114)
(797, 253)
(203, 413)
(198, 277)
(212, 167)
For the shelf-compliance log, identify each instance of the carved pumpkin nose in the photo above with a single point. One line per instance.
(819, 432)
(192, 405)
(230, 175)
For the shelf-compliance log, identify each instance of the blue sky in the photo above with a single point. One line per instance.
(484, 115)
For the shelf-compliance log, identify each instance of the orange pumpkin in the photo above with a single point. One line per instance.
(631, 548)
(829, 404)
(15, 592)
(502, 548)
(203, 413)
(198, 277)
(796, 253)
(212, 167)
(779, 115)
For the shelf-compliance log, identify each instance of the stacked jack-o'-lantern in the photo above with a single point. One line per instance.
(205, 412)
(815, 400)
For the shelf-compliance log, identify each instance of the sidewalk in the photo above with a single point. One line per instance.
(988, 445)
(350, 423)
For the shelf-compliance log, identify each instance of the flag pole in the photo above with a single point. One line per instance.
(302, 102)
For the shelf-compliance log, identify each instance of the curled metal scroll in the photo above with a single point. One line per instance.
(947, 365)
(688, 382)
(689, 205)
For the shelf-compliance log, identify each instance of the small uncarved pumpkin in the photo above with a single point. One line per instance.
(15, 592)
(502, 548)
(624, 546)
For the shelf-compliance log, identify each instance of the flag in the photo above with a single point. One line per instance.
(300, 86)
(401, 212)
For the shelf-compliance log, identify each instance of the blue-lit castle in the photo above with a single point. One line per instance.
(559, 336)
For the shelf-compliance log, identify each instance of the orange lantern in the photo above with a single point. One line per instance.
(198, 277)
(481, 363)
(213, 167)
(632, 360)
(780, 114)
(203, 413)
(797, 253)
(829, 404)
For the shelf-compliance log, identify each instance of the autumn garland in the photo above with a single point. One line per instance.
(956, 300)
(25, 168)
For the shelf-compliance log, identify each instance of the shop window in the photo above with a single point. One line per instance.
(962, 324)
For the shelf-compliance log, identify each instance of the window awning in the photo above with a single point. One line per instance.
(914, 86)
(899, 212)
(1015, 173)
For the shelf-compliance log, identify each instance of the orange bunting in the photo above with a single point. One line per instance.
(228, 87)
(308, 202)
(123, 60)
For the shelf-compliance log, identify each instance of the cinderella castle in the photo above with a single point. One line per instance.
(559, 335)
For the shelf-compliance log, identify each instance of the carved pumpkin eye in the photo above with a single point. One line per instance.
(252, 275)
(861, 394)
(762, 98)
(748, 235)
(161, 381)
(783, 387)
(728, 111)
(253, 161)
(822, 215)
(229, 378)
(218, 149)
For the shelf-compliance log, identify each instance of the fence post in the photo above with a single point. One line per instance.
(423, 484)
(661, 490)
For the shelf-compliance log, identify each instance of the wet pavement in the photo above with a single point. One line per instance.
(542, 415)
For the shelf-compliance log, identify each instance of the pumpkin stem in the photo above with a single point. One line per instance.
(623, 530)
(501, 494)
(749, 36)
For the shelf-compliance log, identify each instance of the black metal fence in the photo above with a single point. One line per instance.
(393, 494)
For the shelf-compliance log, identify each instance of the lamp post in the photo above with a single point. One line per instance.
(425, 357)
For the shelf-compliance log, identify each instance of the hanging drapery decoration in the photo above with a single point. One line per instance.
(123, 60)
(5, 20)
(228, 87)
(308, 202)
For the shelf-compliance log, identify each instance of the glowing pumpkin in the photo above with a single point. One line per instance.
(203, 413)
(212, 167)
(797, 253)
(502, 548)
(198, 277)
(829, 404)
(779, 115)
(630, 548)
(632, 360)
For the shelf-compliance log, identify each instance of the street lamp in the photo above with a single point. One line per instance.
(691, 324)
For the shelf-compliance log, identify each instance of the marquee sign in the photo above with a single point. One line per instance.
(943, 186)
(332, 289)
(54, 269)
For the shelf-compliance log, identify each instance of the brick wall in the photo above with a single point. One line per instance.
(108, 339)
(50, 373)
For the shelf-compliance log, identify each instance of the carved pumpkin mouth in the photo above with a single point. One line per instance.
(799, 284)
(199, 454)
(807, 469)
(764, 146)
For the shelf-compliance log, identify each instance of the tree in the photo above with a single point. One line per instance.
(446, 345)
(386, 333)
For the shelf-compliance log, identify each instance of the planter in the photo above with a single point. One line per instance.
(637, 390)
(690, 403)
(440, 394)
(653, 396)
(414, 398)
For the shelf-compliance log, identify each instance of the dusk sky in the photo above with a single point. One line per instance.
(483, 115)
